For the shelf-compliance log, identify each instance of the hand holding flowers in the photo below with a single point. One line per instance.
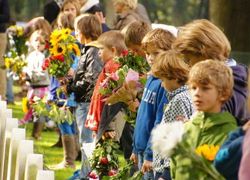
(169, 140)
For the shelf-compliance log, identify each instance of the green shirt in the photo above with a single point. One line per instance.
(203, 128)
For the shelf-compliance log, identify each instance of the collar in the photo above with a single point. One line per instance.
(208, 120)
(170, 95)
(231, 62)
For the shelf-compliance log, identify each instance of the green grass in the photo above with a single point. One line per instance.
(51, 156)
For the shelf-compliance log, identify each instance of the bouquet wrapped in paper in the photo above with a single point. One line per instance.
(15, 57)
(62, 49)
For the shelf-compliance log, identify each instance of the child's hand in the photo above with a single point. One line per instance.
(100, 17)
(110, 134)
(246, 126)
(134, 158)
(146, 166)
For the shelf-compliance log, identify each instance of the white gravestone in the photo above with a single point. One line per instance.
(11, 123)
(33, 164)
(17, 135)
(24, 149)
(45, 175)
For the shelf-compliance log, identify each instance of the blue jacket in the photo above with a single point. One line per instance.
(227, 160)
(149, 114)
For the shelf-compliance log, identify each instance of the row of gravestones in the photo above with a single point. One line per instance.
(17, 159)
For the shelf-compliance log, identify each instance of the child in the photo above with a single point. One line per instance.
(200, 40)
(72, 7)
(68, 132)
(151, 107)
(87, 30)
(38, 79)
(211, 84)
(134, 33)
(111, 44)
(173, 71)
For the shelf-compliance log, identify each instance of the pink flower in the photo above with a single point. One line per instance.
(114, 76)
(105, 83)
(132, 76)
(112, 172)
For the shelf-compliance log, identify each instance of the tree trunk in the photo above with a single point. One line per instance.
(233, 17)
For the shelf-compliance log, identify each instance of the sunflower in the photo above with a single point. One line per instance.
(76, 50)
(58, 49)
(66, 31)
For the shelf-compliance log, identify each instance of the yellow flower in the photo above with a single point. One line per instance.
(20, 31)
(25, 104)
(66, 32)
(58, 49)
(207, 151)
(76, 50)
(8, 62)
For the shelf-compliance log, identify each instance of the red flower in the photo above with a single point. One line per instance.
(104, 160)
(112, 172)
(93, 175)
(47, 45)
(46, 64)
(124, 52)
(60, 57)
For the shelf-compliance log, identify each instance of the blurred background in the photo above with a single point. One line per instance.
(232, 16)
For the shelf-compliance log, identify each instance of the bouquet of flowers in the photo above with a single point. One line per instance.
(52, 111)
(15, 57)
(63, 48)
(105, 159)
(126, 84)
(170, 140)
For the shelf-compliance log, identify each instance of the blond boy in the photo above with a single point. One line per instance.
(200, 40)
(173, 71)
(152, 103)
(211, 84)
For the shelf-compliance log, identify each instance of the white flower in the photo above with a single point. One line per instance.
(166, 136)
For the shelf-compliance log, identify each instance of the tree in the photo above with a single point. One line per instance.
(233, 17)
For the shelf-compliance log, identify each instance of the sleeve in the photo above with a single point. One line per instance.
(229, 155)
(88, 75)
(161, 101)
(5, 15)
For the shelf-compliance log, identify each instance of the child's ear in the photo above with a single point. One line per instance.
(114, 50)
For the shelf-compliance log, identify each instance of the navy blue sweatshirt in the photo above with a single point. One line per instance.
(149, 114)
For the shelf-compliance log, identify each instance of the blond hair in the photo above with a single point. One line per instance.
(112, 39)
(38, 23)
(66, 20)
(130, 4)
(89, 26)
(135, 32)
(158, 39)
(202, 39)
(170, 65)
(75, 3)
(213, 72)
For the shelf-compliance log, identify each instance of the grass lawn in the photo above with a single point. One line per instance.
(51, 156)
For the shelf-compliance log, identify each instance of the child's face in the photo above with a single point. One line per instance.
(105, 54)
(206, 98)
(137, 50)
(70, 8)
(151, 54)
(37, 41)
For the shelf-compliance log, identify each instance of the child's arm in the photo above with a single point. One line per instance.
(227, 160)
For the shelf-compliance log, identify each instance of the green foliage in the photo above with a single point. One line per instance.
(105, 158)
(55, 113)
